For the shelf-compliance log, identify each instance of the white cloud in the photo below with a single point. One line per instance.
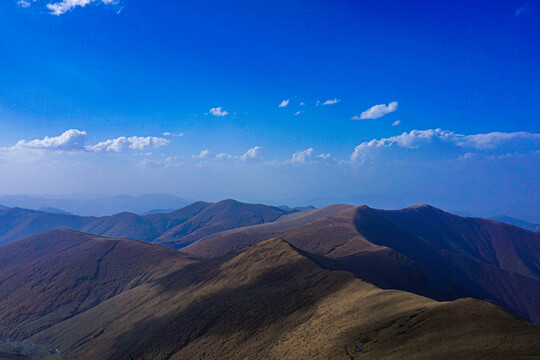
(64, 6)
(202, 155)
(71, 140)
(222, 156)
(123, 143)
(505, 142)
(331, 102)
(24, 4)
(495, 139)
(302, 103)
(284, 103)
(298, 113)
(218, 111)
(377, 111)
(302, 156)
(255, 152)
(173, 134)
(324, 156)
(396, 123)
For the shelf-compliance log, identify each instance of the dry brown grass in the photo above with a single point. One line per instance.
(273, 302)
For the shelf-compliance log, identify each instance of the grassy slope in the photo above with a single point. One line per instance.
(47, 278)
(273, 302)
(453, 257)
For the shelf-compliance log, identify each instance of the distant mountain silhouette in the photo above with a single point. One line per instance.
(157, 211)
(96, 205)
(54, 211)
(516, 222)
(174, 229)
(419, 249)
(92, 297)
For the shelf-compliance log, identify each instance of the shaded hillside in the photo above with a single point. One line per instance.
(288, 221)
(271, 297)
(456, 264)
(175, 229)
(224, 215)
(517, 222)
(336, 237)
(507, 247)
(16, 223)
(47, 278)
(379, 250)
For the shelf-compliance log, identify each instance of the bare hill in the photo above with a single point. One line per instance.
(50, 277)
(416, 250)
(224, 215)
(275, 298)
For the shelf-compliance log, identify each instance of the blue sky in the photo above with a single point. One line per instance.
(127, 76)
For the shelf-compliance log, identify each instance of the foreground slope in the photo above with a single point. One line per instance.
(274, 301)
(421, 249)
(50, 277)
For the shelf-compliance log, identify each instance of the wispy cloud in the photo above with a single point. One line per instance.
(24, 4)
(284, 103)
(298, 113)
(306, 156)
(218, 111)
(324, 156)
(202, 155)
(222, 156)
(331, 102)
(171, 161)
(377, 111)
(396, 123)
(523, 10)
(59, 8)
(173, 134)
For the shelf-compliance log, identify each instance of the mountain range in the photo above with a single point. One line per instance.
(95, 205)
(86, 296)
(298, 283)
(419, 249)
(517, 222)
(175, 229)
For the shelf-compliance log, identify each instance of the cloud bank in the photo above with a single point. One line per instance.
(448, 143)
(74, 140)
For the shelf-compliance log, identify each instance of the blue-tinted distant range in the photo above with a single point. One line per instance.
(388, 103)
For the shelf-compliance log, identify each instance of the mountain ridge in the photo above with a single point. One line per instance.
(233, 307)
